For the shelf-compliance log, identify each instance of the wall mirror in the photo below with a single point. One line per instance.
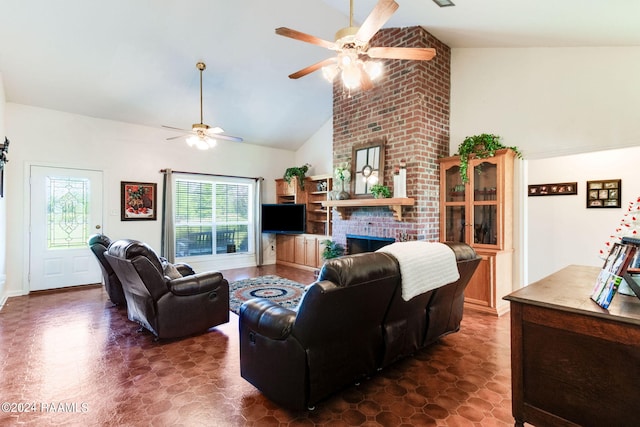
(368, 167)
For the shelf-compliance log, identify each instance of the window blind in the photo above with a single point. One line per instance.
(213, 216)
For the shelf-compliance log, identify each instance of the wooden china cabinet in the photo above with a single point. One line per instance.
(305, 250)
(480, 213)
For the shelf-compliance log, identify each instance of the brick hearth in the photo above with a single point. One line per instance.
(410, 108)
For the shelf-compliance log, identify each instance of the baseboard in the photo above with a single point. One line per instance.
(3, 291)
(4, 295)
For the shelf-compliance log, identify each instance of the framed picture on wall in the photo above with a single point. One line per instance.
(604, 193)
(558, 189)
(138, 201)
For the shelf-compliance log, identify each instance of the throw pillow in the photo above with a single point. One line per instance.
(170, 271)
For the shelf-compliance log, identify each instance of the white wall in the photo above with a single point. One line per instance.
(124, 152)
(3, 208)
(318, 151)
(548, 102)
(561, 230)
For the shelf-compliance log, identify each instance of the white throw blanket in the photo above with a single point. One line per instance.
(423, 266)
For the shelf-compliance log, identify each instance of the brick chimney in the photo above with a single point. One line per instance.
(409, 107)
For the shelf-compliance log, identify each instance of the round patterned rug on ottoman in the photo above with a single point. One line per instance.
(285, 292)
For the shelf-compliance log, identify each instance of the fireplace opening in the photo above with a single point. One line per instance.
(359, 244)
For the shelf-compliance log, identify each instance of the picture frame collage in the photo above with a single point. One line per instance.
(563, 188)
(604, 193)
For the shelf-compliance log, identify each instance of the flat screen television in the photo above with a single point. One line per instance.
(283, 218)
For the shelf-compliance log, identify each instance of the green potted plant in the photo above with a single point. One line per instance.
(332, 249)
(380, 191)
(296, 172)
(480, 146)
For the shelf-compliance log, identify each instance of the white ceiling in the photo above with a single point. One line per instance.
(134, 60)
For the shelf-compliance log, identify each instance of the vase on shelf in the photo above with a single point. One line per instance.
(342, 195)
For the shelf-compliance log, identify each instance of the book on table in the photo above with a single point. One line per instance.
(610, 277)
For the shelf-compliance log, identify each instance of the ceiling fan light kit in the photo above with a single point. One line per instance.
(201, 143)
(354, 61)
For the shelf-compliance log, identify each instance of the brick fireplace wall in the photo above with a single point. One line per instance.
(410, 108)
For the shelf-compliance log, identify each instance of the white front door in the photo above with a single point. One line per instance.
(66, 208)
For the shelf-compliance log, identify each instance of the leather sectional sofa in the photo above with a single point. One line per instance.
(351, 322)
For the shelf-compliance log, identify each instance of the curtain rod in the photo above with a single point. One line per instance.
(214, 174)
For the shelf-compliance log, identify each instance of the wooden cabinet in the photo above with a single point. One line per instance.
(318, 215)
(572, 362)
(300, 250)
(305, 250)
(285, 248)
(480, 213)
(315, 192)
(290, 192)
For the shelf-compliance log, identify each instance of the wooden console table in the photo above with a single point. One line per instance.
(572, 362)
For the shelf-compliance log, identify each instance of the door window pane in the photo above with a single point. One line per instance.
(67, 212)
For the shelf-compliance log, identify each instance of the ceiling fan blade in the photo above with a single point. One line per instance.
(176, 137)
(212, 136)
(311, 68)
(226, 137)
(415, 53)
(216, 129)
(376, 19)
(297, 35)
(179, 129)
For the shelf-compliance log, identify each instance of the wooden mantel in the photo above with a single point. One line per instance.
(394, 204)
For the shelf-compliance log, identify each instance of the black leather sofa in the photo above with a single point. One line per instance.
(351, 322)
(169, 300)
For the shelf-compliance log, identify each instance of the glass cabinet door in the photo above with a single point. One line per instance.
(455, 206)
(455, 224)
(485, 203)
(454, 185)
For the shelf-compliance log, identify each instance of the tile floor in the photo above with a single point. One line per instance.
(69, 358)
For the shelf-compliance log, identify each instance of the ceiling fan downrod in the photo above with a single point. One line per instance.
(201, 66)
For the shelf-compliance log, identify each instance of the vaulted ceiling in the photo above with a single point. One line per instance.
(134, 60)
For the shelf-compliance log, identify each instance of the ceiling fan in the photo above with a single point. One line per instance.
(203, 136)
(353, 61)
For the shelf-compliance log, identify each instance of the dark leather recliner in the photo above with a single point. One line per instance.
(350, 323)
(98, 243)
(161, 298)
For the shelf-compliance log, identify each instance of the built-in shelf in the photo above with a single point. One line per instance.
(394, 204)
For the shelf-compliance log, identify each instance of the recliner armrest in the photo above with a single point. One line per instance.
(267, 318)
(196, 283)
